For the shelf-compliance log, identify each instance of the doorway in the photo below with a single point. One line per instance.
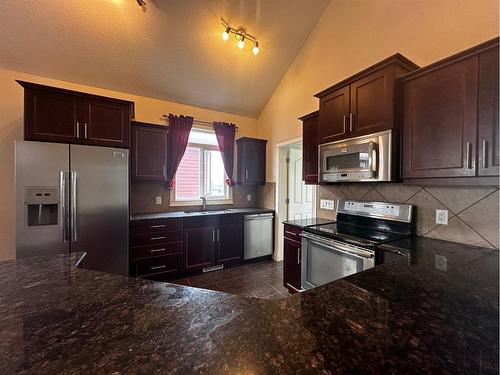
(295, 200)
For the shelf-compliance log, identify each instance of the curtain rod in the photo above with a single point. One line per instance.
(198, 122)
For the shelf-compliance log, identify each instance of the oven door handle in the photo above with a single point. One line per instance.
(339, 246)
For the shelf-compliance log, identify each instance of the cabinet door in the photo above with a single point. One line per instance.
(333, 115)
(251, 162)
(440, 122)
(310, 138)
(199, 247)
(372, 103)
(488, 157)
(51, 117)
(106, 123)
(291, 265)
(149, 153)
(230, 243)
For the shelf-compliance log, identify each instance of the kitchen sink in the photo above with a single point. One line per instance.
(207, 212)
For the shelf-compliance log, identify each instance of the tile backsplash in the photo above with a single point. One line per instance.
(143, 198)
(472, 211)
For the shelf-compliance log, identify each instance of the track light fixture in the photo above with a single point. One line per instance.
(142, 4)
(241, 35)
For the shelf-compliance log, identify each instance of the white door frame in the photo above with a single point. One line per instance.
(280, 171)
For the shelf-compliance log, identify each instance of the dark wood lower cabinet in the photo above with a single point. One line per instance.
(292, 259)
(230, 243)
(199, 245)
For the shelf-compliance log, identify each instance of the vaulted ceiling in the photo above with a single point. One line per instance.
(173, 51)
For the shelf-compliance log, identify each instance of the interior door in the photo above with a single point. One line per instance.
(489, 149)
(99, 203)
(333, 115)
(300, 195)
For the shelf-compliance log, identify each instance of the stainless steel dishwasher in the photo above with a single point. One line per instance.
(258, 235)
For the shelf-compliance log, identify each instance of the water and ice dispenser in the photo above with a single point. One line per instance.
(42, 206)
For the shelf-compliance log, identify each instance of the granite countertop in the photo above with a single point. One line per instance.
(396, 318)
(181, 214)
(302, 223)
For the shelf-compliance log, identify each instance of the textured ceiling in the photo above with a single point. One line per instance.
(173, 51)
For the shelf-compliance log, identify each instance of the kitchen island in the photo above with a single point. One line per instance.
(402, 317)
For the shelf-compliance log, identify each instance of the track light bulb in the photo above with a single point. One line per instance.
(255, 49)
(241, 43)
(225, 34)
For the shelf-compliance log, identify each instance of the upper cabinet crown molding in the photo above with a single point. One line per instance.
(450, 119)
(58, 115)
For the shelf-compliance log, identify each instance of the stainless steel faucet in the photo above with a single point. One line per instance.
(204, 202)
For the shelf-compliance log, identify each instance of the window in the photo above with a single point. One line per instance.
(201, 172)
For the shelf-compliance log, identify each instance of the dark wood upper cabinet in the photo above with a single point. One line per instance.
(450, 110)
(199, 245)
(251, 169)
(230, 243)
(363, 103)
(58, 115)
(148, 152)
(489, 149)
(333, 115)
(310, 141)
(105, 124)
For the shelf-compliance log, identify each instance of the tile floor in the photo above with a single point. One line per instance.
(255, 280)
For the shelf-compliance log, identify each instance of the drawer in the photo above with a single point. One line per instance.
(156, 250)
(155, 238)
(166, 264)
(155, 225)
(293, 233)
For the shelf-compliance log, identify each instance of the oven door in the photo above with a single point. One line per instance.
(348, 162)
(325, 260)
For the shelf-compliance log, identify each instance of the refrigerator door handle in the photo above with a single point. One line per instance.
(74, 212)
(63, 187)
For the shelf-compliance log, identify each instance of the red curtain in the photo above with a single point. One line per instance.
(178, 135)
(225, 138)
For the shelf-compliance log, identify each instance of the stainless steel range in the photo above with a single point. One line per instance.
(333, 251)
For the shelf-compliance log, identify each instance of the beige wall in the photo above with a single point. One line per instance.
(11, 121)
(354, 34)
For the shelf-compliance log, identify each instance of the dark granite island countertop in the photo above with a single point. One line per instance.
(396, 318)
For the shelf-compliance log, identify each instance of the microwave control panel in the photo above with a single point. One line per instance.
(385, 209)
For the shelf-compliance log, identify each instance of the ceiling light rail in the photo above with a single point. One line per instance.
(241, 35)
(206, 124)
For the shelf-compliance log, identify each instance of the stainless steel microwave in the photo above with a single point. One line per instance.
(365, 158)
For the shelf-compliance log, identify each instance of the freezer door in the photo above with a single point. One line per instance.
(41, 176)
(99, 207)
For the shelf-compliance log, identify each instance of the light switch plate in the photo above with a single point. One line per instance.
(158, 199)
(441, 262)
(326, 204)
(442, 217)
(249, 197)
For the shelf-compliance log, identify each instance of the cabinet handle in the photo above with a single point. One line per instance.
(85, 129)
(298, 256)
(469, 155)
(213, 235)
(158, 226)
(344, 122)
(246, 174)
(77, 129)
(158, 238)
(293, 234)
(157, 267)
(164, 171)
(351, 121)
(485, 163)
(218, 235)
(157, 250)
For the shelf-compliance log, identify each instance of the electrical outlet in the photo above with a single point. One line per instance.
(249, 197)
(441, 262)
(158, 199)
(442, 217)
(326, 204)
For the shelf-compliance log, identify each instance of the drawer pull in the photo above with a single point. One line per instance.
(157, 267)
(158, 238)
(157, 250)
(158, 226)
(293, 234)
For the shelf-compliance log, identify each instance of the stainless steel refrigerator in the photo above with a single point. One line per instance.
(73, 198)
